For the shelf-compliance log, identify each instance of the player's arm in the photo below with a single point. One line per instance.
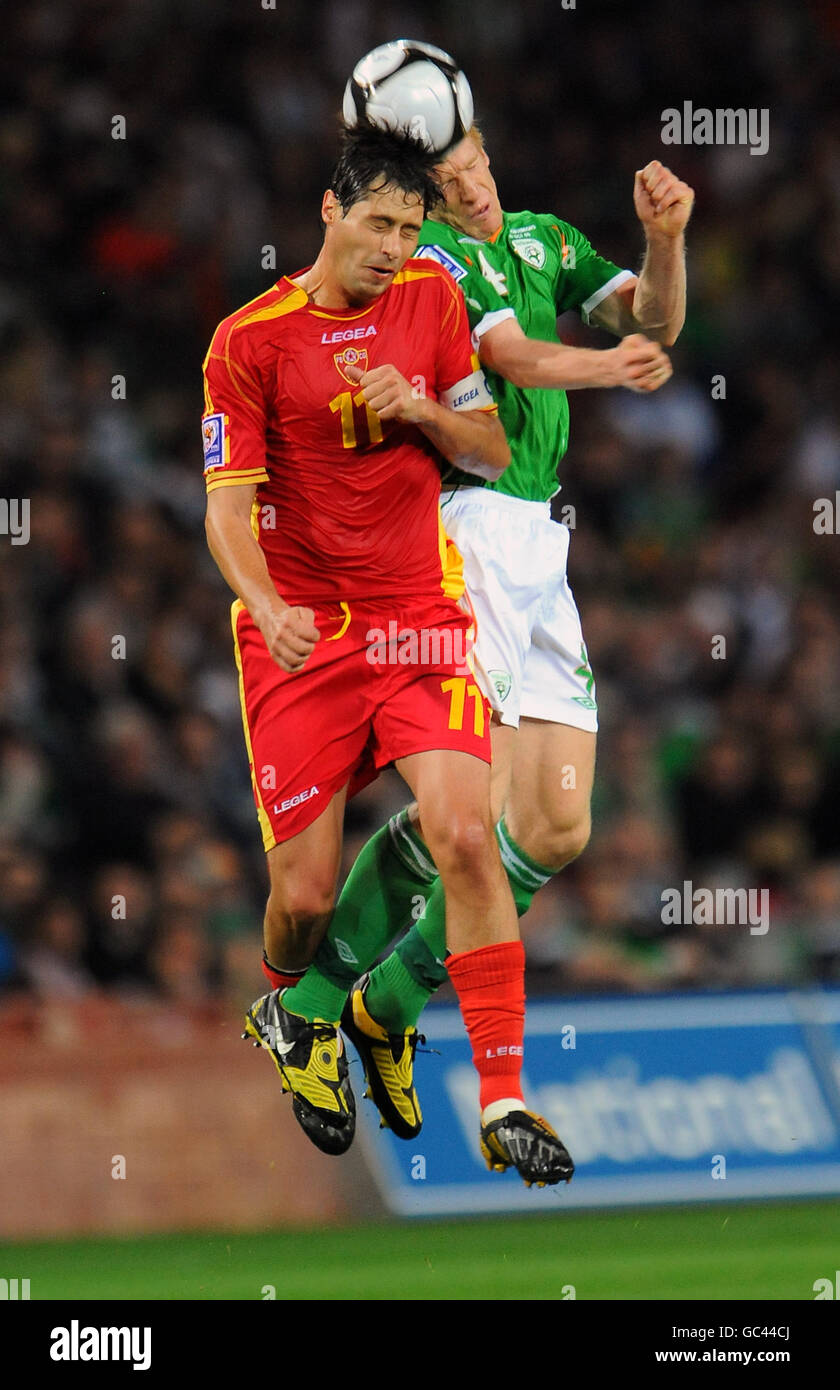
(233, 429)
(290, 633)
(472, 440)
(636, 363)
(654, 303)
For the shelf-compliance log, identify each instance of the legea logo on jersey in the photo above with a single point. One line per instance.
(349, 335)
(351, 357)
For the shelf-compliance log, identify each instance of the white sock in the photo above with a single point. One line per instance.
(498, 1108)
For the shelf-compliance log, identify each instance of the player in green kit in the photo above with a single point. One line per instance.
(517, 271)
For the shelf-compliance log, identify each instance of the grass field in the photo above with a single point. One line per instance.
(761, 1251)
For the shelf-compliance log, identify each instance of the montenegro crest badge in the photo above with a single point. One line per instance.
(351, 357)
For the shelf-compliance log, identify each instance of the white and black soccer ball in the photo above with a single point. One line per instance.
(413, 86)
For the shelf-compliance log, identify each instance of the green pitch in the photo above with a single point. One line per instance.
(763, 1251)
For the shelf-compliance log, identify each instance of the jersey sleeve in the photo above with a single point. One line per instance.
(485, 305)
(461, 383)
(584, 278)
(234, 419)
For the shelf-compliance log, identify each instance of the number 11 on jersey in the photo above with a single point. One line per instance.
(344, 404)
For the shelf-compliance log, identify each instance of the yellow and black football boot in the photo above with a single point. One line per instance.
(526, 1142)
(388, 1060)
(312, 1063)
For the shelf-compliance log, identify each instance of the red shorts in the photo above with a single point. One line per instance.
(383, 682)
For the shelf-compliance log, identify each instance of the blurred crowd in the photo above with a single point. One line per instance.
(130, 857)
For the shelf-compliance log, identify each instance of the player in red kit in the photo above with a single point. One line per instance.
(331, 402)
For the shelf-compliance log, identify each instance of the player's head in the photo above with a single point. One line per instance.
(381, 189)
(470, 200)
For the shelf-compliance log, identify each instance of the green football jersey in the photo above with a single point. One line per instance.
(535, 268)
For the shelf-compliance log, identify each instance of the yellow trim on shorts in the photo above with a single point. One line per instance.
(345, 608)
(268, 837)
(451, 564)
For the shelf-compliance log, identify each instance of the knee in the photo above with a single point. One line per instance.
(461, 843)
(558, 844)
(298, 904)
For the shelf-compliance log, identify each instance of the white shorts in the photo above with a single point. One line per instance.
(529, 655)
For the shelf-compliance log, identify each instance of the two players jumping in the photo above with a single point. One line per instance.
(322, 463)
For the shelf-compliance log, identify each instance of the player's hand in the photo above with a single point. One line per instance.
(388, 393)
(290, 635)
(663, 202)
(640, 364)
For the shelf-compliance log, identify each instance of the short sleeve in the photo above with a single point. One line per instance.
(461, 384)
(584, 278)
(234, 419)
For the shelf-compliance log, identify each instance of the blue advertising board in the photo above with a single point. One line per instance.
(665, 1099)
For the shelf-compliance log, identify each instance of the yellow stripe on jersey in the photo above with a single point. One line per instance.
(403, 276)
(268, 839)
(454, 307)
(229, 478)
(451, 564)
(296, 300)
(325, 314)
(229, 366)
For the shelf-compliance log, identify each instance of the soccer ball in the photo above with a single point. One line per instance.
(408, 85)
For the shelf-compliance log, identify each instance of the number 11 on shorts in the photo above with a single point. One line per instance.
(458, 690)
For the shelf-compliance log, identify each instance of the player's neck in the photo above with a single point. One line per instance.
(465, 231)
(324, 288)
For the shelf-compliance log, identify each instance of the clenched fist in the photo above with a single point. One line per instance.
(639, 364)
(290, 635)
(388, 393)
(663, 202)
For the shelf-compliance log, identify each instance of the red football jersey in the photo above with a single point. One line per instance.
(346, 504)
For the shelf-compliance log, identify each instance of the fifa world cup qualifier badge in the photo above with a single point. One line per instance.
(213, 439)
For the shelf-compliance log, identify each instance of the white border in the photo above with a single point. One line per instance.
(595, 299)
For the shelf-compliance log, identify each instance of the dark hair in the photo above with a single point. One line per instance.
(371, 157)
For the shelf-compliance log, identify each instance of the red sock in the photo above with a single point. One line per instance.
(490, 984)
(281, 979)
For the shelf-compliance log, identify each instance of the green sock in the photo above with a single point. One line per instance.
(389, 880)
(525, 875)
(402, 985)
